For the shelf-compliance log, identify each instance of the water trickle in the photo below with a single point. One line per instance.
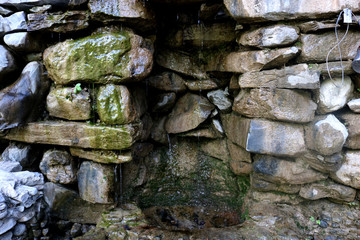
(118, 184)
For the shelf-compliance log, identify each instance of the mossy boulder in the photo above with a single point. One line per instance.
(100, 58)
(115, 105)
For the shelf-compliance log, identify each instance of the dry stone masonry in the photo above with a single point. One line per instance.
(155, 119)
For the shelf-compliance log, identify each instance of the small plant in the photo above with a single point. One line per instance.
(358, 89)
(77, 88)
(318, 222)
(312, 219)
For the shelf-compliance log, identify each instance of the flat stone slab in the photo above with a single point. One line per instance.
(300, 76)
(270, 103)
(102, 156)
(77, 134)
(275, 10)
(315, 47)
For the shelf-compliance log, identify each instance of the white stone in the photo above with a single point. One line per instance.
(354, 105)
(16, 40)
(348, 174)
(7, 61)
(19, 229)
(334, 94)
(220, 99)
(14, 22)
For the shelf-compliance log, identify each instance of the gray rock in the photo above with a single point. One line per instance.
(248, 61)
(18, 99)
(19, 152)
(7, 62)
(334, 94)
(272, 36)
(67, 204)
(24, 42)
(348, 174)
(205, 84)
(260, 184)
(313, 26)
(325, 164)
(269, 103)
(327, 189)
(265, 10)
(5, 11)
(158, 132)
(167, 81)
(220, 99)
(69, 103)
(334, 68)
(189, 111)
(327, 136)
(281, 171)
(7, 225)
(315, 47)
(10, 166)
(7, 236)
(19, 229)
(14, 22)
(58, 166)
(69, 21)
(26, 4)
(263, 136)
(28, 178)
(115, 105)
(96, 182)
(25, 195)
(164, 102)
(354, 105)
(300, 76)
(133, 12)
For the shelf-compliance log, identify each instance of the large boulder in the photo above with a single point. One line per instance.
(334, 94)
(17, 101)
(100, 58)
(327, 136)
(270, 103)
(189, 111)
(275, 10)
(272, 36)
(69, 104)
(58, 166)
(264, 136)
(300, 76)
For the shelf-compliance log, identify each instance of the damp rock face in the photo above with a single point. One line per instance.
(58, 166)
(115, 105)
(271, 103)
(17, 100)
(189, 111)
(69, 104)
(101, 58)
(199, 185)
(96, 182)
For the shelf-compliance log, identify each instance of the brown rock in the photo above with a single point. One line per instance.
(205, 84)
(189, 111)
(281, 171)
(241, 168)
(325, 164)
(313, 26)
(216, 148)
(67, 104)
(77, 134)
(237, 153)
(273, 197)
(277, 104)
(327, 189)
(260, 184)
(300, 76)
(315, 47)
(167, 81)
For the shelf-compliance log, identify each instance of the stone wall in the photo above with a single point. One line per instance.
(203, 113)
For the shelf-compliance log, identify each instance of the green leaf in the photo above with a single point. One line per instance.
(312, 219)
(318, 222)
(77, 88)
